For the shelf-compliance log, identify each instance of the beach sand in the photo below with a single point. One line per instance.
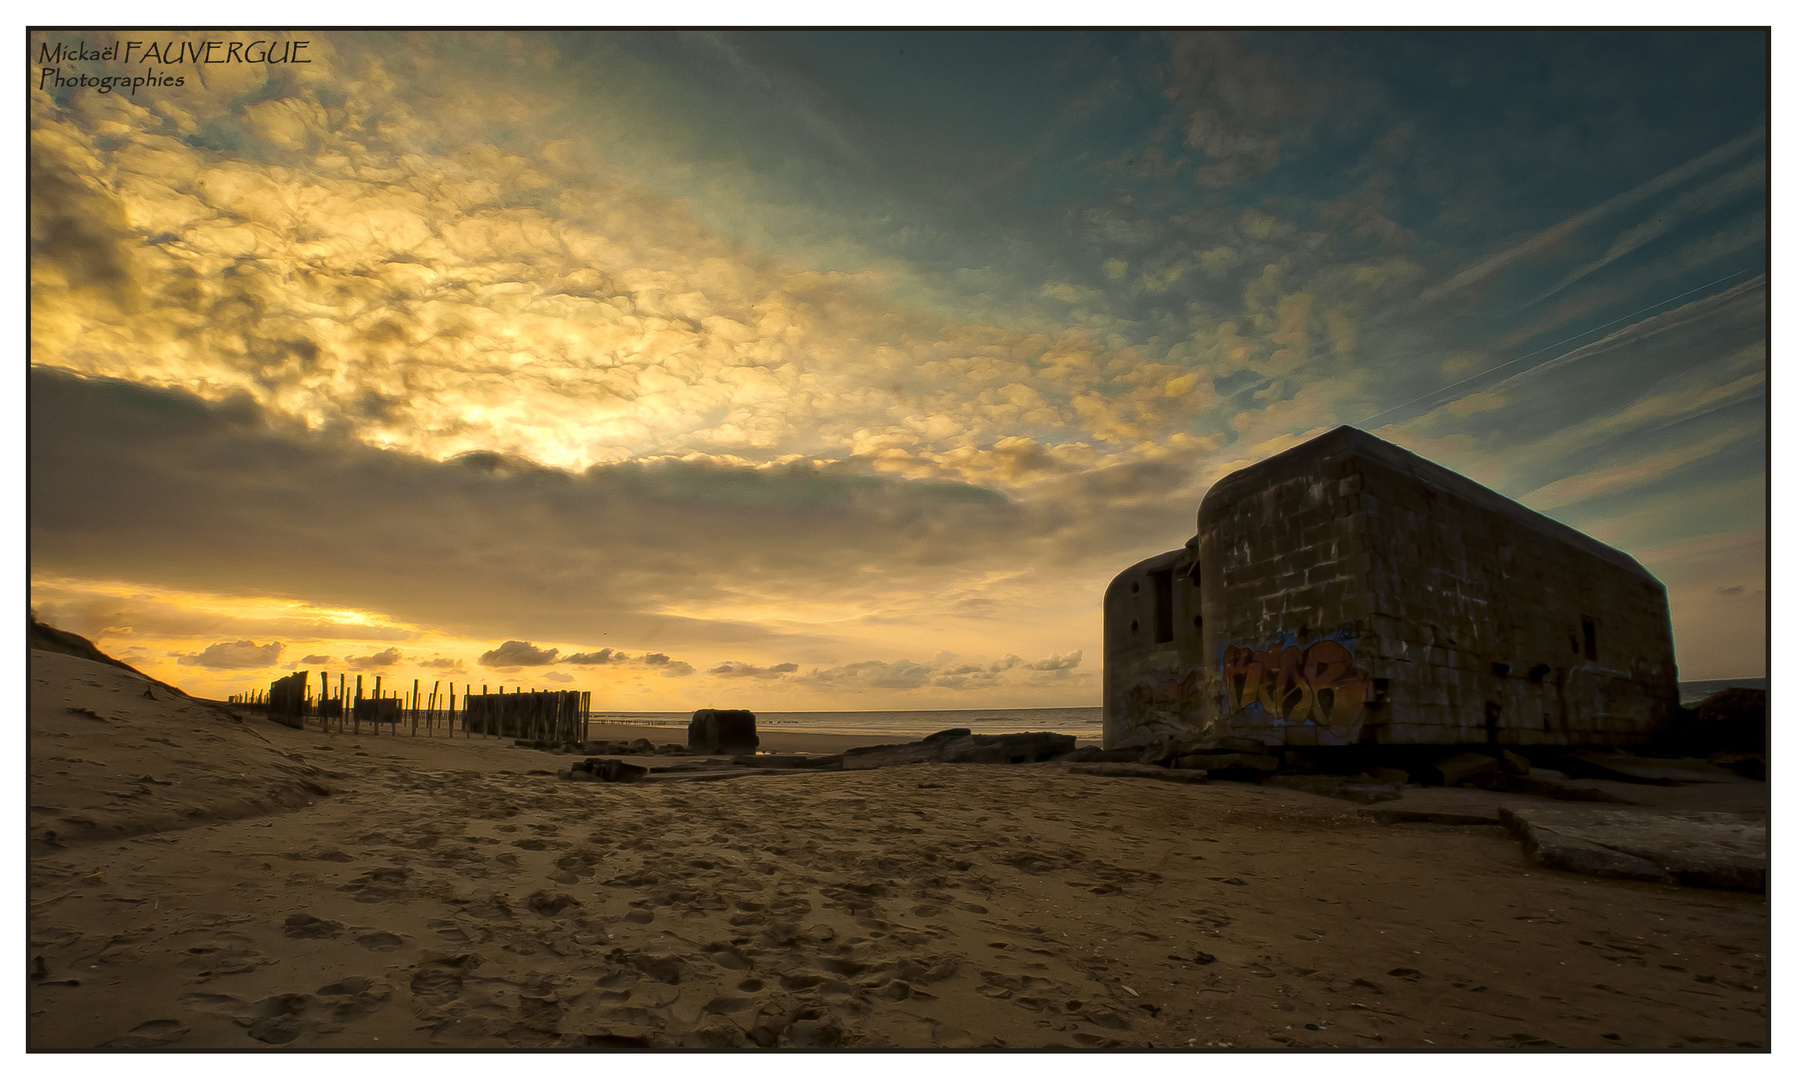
(221, 883)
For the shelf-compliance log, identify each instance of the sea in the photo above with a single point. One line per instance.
(1083, 723)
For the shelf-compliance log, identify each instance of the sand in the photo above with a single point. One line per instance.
(203, 891)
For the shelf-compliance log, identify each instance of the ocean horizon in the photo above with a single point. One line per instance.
(1082, 722)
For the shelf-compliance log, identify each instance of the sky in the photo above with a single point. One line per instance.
(841, 370)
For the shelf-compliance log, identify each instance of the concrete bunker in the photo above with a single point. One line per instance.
(1347, 591)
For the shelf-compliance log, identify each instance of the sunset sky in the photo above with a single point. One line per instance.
(803, 370)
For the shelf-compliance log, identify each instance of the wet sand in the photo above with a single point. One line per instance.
(202, 891)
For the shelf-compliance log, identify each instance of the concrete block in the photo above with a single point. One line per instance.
(1707, 850)
(1463, 767)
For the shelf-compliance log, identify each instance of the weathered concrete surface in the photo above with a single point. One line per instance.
(1732, 719)
(1259, 763)
(1640, 770)
(1463, 767)
(621, 747)
(1012, 749)
(607, 770)
(1093, 753)
(1347, 590)
(1709, 850)
(722, 731)
(1141, 772)
(1431, 817)
(1353, 789)
(1549, 785)
(788, 761)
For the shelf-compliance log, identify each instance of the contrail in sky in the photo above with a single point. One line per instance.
(1545, 348)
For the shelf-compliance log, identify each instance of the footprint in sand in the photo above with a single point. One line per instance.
(149, 1034)
(224, 953)
(380, 941)
(351, 999)
(302, 925)
(378, 885)
(449, 932)
(438, 982)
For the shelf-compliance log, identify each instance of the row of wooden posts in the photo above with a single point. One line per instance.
(546, 715)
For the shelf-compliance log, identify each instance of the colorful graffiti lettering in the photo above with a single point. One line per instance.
(1318, 685)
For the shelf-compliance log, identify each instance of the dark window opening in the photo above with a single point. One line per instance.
(1135, 587)
(1538, 672)
(1198, 621)
(1500, 670)
(1134, 626)
(1590, 638)
(1163, 606)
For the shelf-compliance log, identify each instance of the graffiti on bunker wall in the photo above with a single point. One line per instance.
(1164, 702)
(1316, 685)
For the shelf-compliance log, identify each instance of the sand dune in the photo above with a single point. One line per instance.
(202, 891)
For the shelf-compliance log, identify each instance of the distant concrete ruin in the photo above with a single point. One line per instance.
(1347, 591)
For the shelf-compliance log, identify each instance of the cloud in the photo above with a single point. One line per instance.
(659, 662)
(105, 607)
(1057, 662)
(1233, 105)
(732, 669)
(315, 659)
(382, 660)
(945, 671)
(288, 508)
(418, 321)
(603, 656)
(235, 654)
(671, 668)
(518, 654)
(558, 676)
(443, 663)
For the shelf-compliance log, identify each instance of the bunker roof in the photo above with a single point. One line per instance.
(1347, 442)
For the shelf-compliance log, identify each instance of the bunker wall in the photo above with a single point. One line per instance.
(1153, 663)
(1352, 592)
(1285, 551)
(1492, 628)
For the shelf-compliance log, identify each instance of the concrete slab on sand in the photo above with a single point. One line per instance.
(1640, 770)
(1709, 850)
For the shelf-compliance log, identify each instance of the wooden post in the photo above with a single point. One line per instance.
(449, 725)
(358, 720)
